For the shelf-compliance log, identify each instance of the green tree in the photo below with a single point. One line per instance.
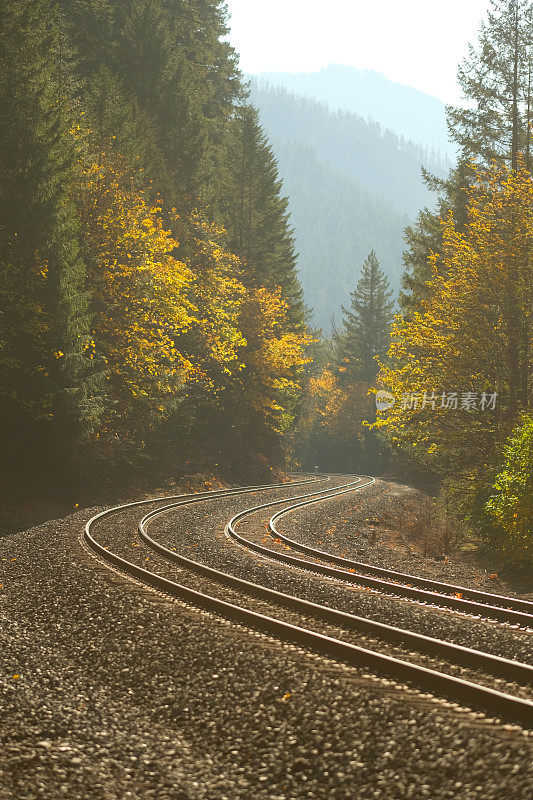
(118, 125)
(424, 236)
(496, 126)
(47, 375)
(496, 80)
(365, 333)
(255, 213)
(363, 337)
(175, 70)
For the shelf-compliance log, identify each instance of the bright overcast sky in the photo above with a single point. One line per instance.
(416, 42)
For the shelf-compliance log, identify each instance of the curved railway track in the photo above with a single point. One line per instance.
(436, 587)
(503, 705)
(459, 598)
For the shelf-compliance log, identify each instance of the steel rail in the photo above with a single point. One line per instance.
(503, 705)
(495, 665)
(212, 494)
(472, 607)
(488, 598)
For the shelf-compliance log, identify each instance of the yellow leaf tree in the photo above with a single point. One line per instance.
(139, 292)
(472, 335)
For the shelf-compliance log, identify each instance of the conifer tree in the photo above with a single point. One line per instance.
(176, 71)
(255, 213)
(366, 324)
(118, 124)
(496, 80)
(424, 236)
(46, 372)
(157, 73)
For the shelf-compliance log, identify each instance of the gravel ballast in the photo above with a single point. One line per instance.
(111, 691)
(185, 530)
(371, 525)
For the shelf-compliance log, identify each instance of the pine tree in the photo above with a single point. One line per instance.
(496, 127)
(46, 373)
(496, 79)
(366, 325)
(255, 213)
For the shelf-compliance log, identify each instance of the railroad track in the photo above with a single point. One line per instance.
(444, 595)
(503, 705)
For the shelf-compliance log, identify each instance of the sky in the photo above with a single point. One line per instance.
(415, 42)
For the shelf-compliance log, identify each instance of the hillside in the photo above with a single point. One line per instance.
(407, 111)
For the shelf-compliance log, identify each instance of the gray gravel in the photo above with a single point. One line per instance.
(186, 531)
(205, 550)
(369, 525)
(123, 694)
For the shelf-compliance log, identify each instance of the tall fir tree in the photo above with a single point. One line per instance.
(496, 126)
(126, 143)
(255, 213)
(496, 80)
(47, 377)
(366, 325)
(175, 70)
(118, 125)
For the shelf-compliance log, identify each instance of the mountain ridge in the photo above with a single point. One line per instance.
(408, 112)
(352, 186)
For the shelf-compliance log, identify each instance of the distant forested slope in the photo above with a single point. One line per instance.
(337, 223)
(410, 113)
(353, 187)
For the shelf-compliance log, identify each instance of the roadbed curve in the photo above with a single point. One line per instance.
(276, 577)
(197, 531)
(369, 526)
(121, 693)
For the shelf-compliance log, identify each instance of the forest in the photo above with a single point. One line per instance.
(152, 315)
(153, 322)
(456, 358)
(407, 113)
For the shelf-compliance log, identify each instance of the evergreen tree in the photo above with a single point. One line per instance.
(334, 430)
(177, 73)
(496, 80)
(157, 73)
(118, 125)
(46, 375)
(424, 236)
(366, 325)
(255, 213)
(118, 151)
(497, 126)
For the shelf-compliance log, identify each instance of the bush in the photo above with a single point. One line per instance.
(510, 505)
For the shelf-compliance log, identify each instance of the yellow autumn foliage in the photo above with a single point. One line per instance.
(473, 333)
(179, 332)
(273, 358)
(140, 291)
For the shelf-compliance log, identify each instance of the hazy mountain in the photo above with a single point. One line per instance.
(387, 165)
(407, 111)
(353, 187)
(337, 224)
